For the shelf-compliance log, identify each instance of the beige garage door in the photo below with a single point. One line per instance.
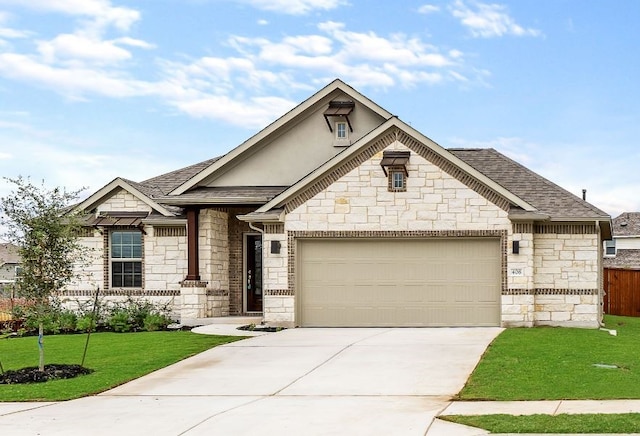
(399, 282)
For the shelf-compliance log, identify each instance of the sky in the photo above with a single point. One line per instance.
(95, 89)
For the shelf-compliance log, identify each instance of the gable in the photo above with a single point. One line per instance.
(122, 195)
(122, 200)
(296, 149)
(376, 142)
(360, 200)
(291, 147)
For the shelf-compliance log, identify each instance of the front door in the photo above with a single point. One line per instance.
(253, 272)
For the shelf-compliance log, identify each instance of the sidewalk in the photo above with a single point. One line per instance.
(556, 407)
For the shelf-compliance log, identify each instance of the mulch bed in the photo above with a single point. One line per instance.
(51, 372)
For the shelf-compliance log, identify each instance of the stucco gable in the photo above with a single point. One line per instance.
(266, 158)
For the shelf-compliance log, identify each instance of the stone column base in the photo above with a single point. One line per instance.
(193, 294)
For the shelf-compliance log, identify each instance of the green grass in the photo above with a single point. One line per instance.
(115, 357)
(547, 363)
(597, 424)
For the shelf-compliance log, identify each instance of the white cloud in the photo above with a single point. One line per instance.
(255, 112)
(295, 7)
(5, 156)
(78, 48)
(101, 12)
(73, 82)
(489, 20)
(8, 32)
(428, 9)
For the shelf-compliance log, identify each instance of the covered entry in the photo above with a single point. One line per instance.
(398, 282)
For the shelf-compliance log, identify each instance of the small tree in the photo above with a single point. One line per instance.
(41, 224)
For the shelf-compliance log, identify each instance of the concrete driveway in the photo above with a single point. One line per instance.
(299, 381)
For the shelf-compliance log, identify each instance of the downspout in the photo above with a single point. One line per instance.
(600, 277)
(252, 227)
(261, 231)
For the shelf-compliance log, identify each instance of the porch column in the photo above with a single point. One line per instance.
(193, 271)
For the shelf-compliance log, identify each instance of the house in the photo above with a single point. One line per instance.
(623, 251)
(9, 265)
(341, 214)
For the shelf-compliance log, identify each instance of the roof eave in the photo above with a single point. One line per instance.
(275, 216)
(215, 201)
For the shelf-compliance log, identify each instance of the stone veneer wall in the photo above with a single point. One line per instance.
(214, 260)
(122, 200)
(359, 202)
(564, 289)
(553, 280)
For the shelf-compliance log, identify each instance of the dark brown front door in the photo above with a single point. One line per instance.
(253, 273)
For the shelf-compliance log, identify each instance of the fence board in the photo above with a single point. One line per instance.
(622, 292)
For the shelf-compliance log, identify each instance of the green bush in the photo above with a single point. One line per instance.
(67, 321)
(156, 321)
(85, 323)
(120, 322)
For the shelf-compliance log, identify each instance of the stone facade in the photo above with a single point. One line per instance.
(551, 266)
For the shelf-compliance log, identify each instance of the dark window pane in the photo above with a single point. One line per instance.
(117, 267)
(116, 238)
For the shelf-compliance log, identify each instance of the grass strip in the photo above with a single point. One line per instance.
(116, 358)
(588, 423)
(553, 363)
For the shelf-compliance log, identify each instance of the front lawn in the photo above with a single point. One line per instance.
(115, 358)
(595, 424)
(547, 363)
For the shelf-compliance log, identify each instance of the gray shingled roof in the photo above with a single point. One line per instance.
(165, 183)
(541, 193)
(627, 224)
(623, 259)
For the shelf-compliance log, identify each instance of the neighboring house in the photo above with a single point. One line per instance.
(623, 251)
(341, 214)
(9, 265)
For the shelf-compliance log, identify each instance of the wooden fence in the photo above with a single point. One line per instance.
(622, 292)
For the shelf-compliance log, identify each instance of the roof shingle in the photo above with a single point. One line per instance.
(544, 195)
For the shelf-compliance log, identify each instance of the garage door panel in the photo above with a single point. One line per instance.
(414, 282)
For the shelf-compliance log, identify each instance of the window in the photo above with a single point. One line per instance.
(341, 130)
(397, 181)
(610, 248)
(126, 259)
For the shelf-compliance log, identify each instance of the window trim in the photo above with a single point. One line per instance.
(608, 245)
(123, 260)
(393, 171)
(341, 127)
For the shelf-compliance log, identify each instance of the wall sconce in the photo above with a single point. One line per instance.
(516, 247)
(275, 247)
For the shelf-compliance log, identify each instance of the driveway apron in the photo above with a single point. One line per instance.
(297, 381)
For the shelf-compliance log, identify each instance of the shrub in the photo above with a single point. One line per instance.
(120, 321)
(67, 321)
(156, 321)
(86, 323)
